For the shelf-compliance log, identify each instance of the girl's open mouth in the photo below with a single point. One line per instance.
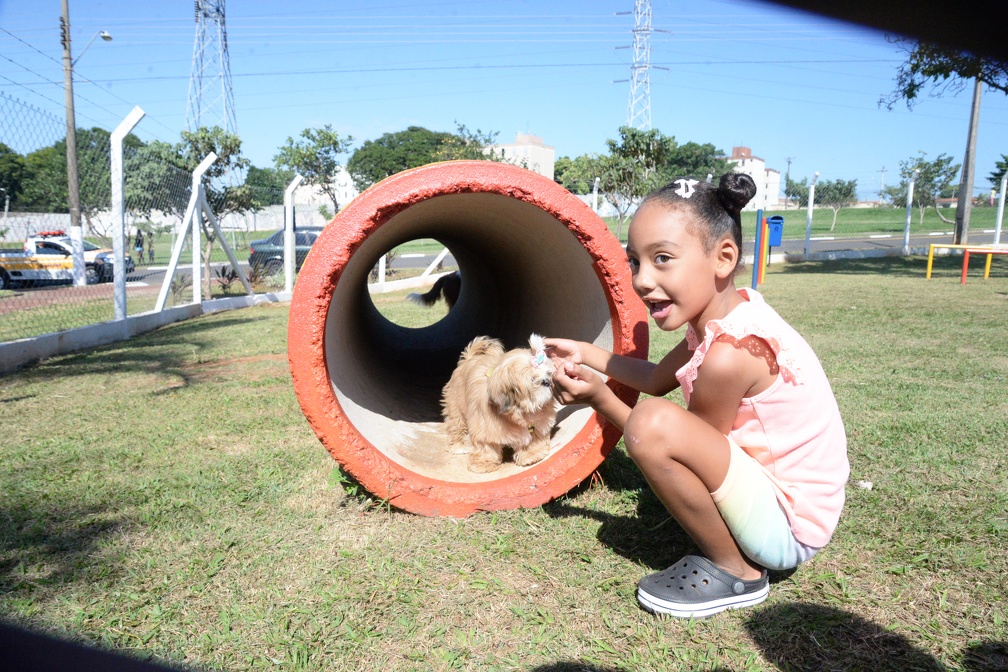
(659, 309)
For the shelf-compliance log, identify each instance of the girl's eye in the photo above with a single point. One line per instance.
(662, 258)
(634, 264)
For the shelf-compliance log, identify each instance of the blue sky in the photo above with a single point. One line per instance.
(787, 84)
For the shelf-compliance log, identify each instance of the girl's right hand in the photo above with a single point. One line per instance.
(560, 349)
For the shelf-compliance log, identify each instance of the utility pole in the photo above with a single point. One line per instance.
(964, 198)
(881, 189)
(73, 181)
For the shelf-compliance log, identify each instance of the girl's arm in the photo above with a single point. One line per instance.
(654, 379)
(731, 371)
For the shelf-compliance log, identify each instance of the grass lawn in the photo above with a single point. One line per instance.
(166, 498)
(852, 222)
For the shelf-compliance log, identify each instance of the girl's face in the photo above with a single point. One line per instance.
(677, 279)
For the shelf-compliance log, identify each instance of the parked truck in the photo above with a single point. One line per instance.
(47, 259)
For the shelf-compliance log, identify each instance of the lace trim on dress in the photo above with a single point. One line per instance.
(738, 330)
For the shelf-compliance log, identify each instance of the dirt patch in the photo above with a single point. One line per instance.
(251, 368)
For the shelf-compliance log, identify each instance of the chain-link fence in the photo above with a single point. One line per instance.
(38, 294)
(36, 266)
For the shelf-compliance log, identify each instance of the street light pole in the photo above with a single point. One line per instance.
(73, 181)
(73, 177)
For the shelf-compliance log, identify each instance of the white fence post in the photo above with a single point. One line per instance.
(1000, 215)
(909, 212)
(808, 218)
(119, 210)
(192, 211)
(204, 208)
(290, 249)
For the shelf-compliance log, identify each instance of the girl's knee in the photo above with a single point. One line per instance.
(652, 422)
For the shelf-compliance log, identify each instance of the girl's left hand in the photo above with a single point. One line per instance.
(575, 384)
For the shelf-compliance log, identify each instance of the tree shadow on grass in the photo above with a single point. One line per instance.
(650, 537)
(174, 350)
(800, 636)
(49, 547)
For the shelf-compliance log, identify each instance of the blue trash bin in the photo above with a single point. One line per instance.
(775, 230)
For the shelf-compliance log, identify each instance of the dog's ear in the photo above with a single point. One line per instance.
(502, 398)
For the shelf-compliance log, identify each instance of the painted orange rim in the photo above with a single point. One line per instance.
(573, 462)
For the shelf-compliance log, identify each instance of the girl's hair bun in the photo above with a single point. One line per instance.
(734, 191)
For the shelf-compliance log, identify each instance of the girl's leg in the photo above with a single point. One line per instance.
(684, 459)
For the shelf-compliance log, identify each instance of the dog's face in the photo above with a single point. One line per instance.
(523, 379)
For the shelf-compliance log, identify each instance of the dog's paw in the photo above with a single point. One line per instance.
(531, 455)
(482, 463)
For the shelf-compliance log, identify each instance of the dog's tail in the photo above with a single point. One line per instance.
(482, 345)
(430, 297)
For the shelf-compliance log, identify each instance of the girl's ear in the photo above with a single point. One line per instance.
(727, 257)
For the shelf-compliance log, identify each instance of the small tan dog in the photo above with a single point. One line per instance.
(497, 399)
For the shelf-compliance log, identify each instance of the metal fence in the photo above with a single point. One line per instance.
(33, 142)
(876, 220)
(38, 294)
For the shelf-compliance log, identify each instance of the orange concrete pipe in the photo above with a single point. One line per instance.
(533, 258)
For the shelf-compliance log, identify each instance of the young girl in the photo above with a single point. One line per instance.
(754, 467)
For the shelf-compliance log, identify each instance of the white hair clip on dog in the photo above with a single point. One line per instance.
(686, 187)
(538, 346)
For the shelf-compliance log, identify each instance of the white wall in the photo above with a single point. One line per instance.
(528, 151)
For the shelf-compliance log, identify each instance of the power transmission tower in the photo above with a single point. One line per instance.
(211, 102)
(639, 107)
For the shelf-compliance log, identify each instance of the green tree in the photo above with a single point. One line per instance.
(12, 173)
(935, 180)
(836, 194)
(695, 160)
(44, 187)
(933, 69)
(577, 175)
(316, 158)
(796, 191)
(467, 145)
(392, 153)
(1000, 168)
(632, 168)
(939, 69)
(155, 180)
(267, 185)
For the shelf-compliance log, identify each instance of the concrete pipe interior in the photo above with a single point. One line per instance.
(533, 258)
(388, 378)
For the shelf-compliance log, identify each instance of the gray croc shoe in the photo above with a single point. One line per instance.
(695, 587)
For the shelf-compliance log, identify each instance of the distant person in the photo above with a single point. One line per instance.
(754, 467)
(138, 246)
(150, 249)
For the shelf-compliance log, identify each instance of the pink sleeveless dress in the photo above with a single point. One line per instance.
(793, 428)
